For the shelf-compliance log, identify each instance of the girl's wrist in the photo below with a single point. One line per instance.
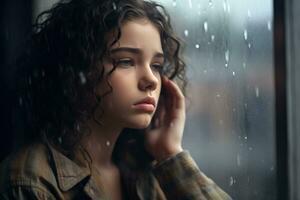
(166, 155)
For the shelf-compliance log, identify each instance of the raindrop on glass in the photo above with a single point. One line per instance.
(269, 25)
(221, 122)
(197, 46)
(225, 6)
(218, 95)
(210, 3)
(249, 14)
(186, 33)
(82, 78)
(174, 3)
(257, 92)
(29, 80)
(107, 143)
(226, 65)
(238, 160)
(246, 138)
(205, 26)
(228, 8)
(245, 34)
(205, 71)
(60, 140)
(212, 37)
(114, 6)
(272, 168)
(249, 45)
(20, 101)
(233, 73)
(227, 56)
(250, 148)
(231, 181)
(190, 4)
(244, 65)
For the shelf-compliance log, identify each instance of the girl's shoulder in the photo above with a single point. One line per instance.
(26, 166)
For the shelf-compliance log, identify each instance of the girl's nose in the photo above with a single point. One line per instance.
(148, 80)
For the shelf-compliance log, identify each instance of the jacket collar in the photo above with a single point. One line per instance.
(69, 172)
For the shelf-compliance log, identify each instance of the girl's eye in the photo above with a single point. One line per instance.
(125, 62)
(158, 67)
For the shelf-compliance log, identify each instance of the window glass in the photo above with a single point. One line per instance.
(230, 120)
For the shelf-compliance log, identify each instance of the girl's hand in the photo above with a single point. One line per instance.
(164, 137)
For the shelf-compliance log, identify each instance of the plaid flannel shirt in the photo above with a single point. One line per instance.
(39, 171)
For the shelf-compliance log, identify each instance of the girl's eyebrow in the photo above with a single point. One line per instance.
(134, 51)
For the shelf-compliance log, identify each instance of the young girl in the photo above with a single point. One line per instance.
(105, 118)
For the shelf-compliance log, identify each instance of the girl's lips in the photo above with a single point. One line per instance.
(144, 107)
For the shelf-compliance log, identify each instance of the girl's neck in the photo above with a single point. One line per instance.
(100, 143)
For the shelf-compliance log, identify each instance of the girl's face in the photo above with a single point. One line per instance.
(138, 57)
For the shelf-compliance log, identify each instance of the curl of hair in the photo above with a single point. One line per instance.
(62, 64)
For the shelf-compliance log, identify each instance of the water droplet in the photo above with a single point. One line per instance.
(250, 148)
(107, 143)
(231, 181)
(226, 65)
(190, 4)
(210, 3)
(212, 37)
(218, 95)
(77, 127)
(171, 124)
(60, 140)
(228, 8)
(257, 91)
(20, 101)
(186, 33)
(82, 78)
(174, 3)
(205, 26)
(233, 73)
(227, 56)
(249, 13)
(269, 25)
(245, 34)
(246, 138)
(249, 45)
(197, 46)
(244, 65)
(238, 160)
(272, 168)
(29, 80)
(114, 6)
(225, 6)
(205, 71)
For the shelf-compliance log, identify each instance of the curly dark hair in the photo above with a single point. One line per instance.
(63, 62)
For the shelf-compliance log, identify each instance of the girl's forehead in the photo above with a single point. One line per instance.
(137, 33)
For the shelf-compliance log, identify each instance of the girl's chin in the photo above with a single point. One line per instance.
(141, 124)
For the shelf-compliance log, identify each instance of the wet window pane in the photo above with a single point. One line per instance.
(230, 120)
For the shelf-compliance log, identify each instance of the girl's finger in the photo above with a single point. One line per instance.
(174, 91)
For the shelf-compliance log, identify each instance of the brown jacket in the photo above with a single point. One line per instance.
(39, 171)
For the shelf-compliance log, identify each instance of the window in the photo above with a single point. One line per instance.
(230, 127)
